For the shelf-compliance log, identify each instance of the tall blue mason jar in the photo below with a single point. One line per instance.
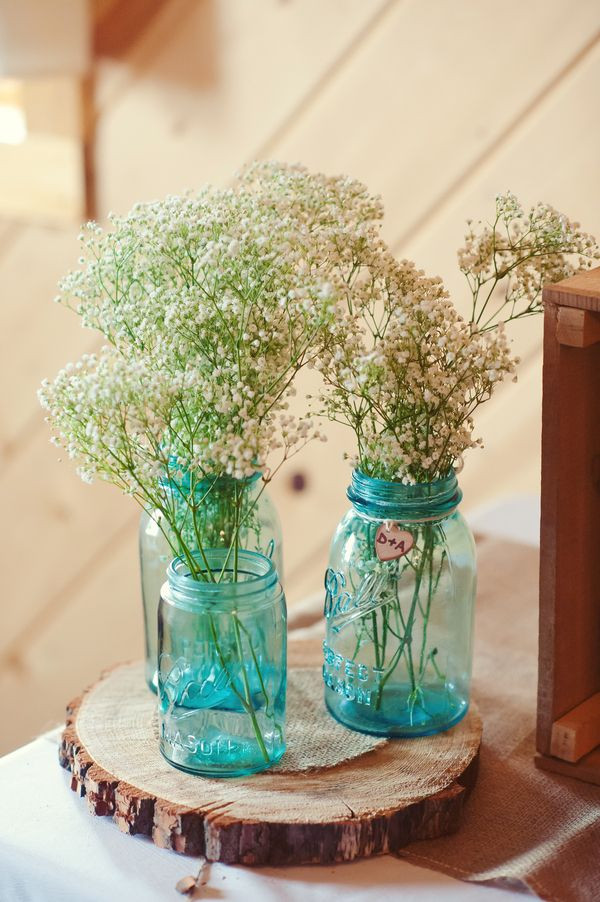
(215, 523)
(222, 665)
(399, 605)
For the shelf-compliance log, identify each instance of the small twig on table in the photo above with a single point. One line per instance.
(187, 886)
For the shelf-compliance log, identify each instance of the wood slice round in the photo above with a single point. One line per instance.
(381, 795)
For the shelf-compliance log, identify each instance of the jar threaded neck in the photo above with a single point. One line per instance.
(387, 500)
(256, 576)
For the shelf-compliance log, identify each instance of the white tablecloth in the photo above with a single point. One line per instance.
(53, 850)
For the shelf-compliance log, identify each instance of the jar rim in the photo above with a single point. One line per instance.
(386, 499)
(259, 577)
(172, 482)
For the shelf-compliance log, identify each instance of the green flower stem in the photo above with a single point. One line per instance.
(426, 612)
(236, 530)
(376, 640)
(199, 542)
(246, 699)
(431, 590)
(263, 688)
(247, 693)
(406, 642)
(233, 501)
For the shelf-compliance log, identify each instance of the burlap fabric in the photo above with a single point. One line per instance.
(314, 740)
(112, 732)
(521, 826)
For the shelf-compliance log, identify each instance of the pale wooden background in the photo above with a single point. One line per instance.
(437, 105)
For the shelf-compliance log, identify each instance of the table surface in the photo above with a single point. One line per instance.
(55, 851)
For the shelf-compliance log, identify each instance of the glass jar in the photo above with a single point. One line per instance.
(222, 666)
(399, 605)
(261, 531)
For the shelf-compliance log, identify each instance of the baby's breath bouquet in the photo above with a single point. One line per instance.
(208, 306)
(407, 373)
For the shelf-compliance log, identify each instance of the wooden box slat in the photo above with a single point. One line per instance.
(569, 654)
(587, 769)
(581, 290)
(578, 732)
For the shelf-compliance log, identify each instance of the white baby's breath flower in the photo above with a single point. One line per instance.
(210, 304)
(403, 369)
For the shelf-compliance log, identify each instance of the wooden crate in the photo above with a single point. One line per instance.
(568, 727)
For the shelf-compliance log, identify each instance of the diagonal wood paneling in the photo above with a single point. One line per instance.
(213, 94)
(55, 662)
(36, 336)
(434, 88)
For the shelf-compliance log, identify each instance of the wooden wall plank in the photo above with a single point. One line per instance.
(42, 177)
(430, 89)
(42, 180)
(54, 664)
(55, 526)
(37, 337)
(214, 93)
(539, 161)
(53, 106)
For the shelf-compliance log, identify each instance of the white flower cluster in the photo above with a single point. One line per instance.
(99, 410)
(519, 254)
(406, 372)
(210, 305)
(403, 369)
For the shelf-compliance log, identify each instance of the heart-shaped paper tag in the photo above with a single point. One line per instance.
(392, 542)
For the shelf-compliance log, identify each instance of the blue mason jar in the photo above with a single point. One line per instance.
(399, 605)
(217, 500)
(222, 665)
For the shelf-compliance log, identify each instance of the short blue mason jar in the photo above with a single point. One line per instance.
(217, 499)
(222, 665)
(399, 605)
